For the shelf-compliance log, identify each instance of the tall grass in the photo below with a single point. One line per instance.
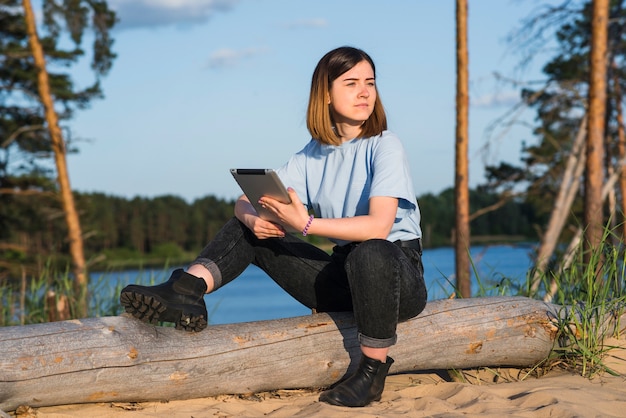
(38, 299)
(591, 293)
(592, 297)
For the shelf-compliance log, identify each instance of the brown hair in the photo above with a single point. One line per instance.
(318, 119)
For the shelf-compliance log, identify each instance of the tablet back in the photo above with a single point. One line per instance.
(258, 182)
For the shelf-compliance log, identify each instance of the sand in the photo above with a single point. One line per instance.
(472, 393)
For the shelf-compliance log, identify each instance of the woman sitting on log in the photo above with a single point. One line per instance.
(350, 183)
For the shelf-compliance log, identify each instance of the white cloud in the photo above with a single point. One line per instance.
(227, 57)
(152, 13)
(500, 99)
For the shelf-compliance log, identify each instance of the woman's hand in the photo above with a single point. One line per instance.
(265, 229)
(261, 228)
(292, 214)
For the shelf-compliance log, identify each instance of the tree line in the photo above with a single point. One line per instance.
(33, 230)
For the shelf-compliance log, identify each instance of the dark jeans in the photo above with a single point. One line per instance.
(378, 280)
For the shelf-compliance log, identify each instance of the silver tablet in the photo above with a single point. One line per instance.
(257, 182)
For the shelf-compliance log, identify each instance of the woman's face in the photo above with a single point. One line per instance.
(353, 94)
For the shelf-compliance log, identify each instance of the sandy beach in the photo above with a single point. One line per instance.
(485, 393)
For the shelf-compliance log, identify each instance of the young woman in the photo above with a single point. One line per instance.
(354, 178)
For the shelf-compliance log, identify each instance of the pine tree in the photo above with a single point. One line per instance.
(35, 101)
(551, 170)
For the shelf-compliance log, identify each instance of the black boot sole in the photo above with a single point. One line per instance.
(330, 399)
(152, 309)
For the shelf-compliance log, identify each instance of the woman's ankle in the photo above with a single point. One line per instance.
(375, 353)
(201, 272)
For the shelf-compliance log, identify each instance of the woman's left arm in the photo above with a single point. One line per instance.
(376, 224)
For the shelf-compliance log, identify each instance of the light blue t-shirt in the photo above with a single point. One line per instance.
(338, 181)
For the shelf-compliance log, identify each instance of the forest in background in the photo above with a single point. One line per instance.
(122, 232)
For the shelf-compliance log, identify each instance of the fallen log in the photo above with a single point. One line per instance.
(120, 359)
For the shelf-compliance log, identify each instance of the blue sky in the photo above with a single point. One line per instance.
(200, 86)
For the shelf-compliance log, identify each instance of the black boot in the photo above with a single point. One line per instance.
(363, 387)
(179, 300)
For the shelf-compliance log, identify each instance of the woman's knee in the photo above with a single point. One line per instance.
(373, 265)
(373, 251)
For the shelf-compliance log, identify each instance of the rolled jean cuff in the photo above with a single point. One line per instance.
(377, 342)
(213, 269)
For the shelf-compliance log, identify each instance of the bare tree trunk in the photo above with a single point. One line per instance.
(593, 219)
(621, 143)
(568, 258)
(461, 179)
(612, 202)
(58, 146)
(562, 205)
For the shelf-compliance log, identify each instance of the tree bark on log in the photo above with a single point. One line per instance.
(120, 359)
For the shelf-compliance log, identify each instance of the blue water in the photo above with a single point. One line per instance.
(253, 296)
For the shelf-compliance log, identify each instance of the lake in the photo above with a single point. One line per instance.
(254, 296)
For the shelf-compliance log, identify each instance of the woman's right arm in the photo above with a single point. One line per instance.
(245, 212)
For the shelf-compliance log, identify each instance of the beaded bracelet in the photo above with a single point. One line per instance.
(308, 224)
